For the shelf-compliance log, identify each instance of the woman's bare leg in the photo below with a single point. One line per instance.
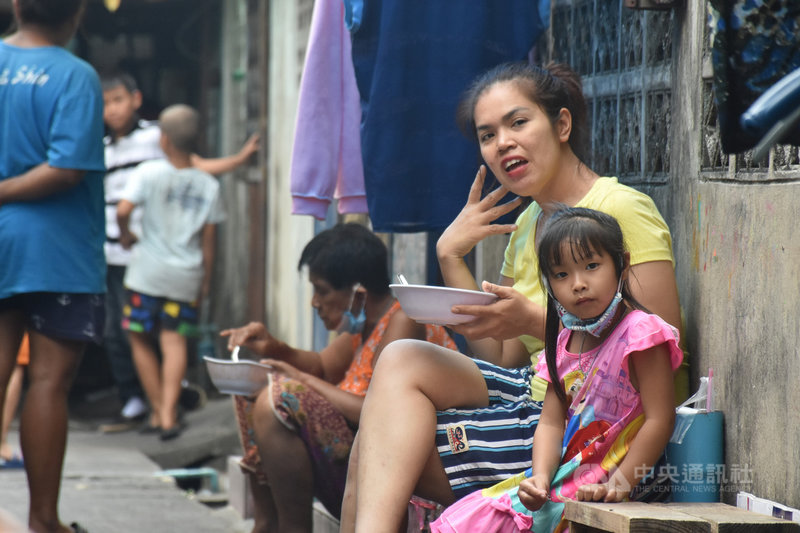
(347, 522)
(412, 380)
(432, 485)
(285, 459)
(43, 429)
(265, 516)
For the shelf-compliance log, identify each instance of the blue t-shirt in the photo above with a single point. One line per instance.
(51, 110)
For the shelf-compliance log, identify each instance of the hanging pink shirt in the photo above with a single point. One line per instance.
(326, 156)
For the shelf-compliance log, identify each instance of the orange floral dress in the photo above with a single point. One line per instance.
(326, 433)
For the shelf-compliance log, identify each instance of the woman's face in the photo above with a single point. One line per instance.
(517, 140)
(329, 303)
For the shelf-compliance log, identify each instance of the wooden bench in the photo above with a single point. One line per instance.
(671, 517)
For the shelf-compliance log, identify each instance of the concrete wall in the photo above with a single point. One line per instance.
(738, 265)
(256, 275)
(231, 265)
(289, 314)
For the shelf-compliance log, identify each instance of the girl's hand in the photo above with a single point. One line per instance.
(534, 492)
(473, 223)
(508, 317)
(254, 336)
(602, 492)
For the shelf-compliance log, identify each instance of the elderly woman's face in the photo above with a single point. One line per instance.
(329, 303)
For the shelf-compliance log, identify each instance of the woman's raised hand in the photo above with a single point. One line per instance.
(474, 222)
(254, 336)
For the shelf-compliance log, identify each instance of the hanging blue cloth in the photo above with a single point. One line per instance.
(754, 43)
(413, 60)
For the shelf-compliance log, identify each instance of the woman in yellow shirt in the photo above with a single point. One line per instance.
(438, 423)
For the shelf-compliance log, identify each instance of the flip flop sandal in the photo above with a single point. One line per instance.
(174, 432)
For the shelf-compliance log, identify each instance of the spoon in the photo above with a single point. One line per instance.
(235, 353)
(402, 279)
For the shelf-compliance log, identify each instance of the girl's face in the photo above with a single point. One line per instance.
(584, 285)
(518, 142)
(329, 303)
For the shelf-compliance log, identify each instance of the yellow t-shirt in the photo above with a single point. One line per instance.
(646, 236)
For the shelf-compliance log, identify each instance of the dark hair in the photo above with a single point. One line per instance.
(347, 254)
(49, 13)
(554, 87)
(584, 230)
(113, 80)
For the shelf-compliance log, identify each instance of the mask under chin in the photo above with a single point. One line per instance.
(594, 326)
(352, 324)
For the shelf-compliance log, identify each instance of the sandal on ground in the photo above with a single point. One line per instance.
(174, 432)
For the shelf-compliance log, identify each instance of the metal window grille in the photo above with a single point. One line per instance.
(625, 60)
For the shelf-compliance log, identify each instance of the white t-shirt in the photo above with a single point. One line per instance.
(176, 205)
(122, 157)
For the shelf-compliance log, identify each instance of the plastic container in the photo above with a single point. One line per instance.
(695, 455)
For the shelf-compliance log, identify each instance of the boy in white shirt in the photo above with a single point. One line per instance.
(170, 269)
(130, 142)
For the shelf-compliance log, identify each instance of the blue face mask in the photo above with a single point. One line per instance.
(593, 326)
(350, 323)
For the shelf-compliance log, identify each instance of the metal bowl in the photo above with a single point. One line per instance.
(245, 378)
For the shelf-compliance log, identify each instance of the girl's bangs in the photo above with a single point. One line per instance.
(583, 236)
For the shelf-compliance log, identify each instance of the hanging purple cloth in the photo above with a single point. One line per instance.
(413, 60)
(326, 155)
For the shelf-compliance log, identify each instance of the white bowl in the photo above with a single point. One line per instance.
(242, 377)
(430, 304)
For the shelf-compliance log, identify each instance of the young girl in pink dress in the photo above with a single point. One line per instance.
(609, 407)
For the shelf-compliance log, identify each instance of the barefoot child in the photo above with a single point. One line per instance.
(608, 410)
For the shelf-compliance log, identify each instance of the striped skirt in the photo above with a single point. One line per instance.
(480, 447)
